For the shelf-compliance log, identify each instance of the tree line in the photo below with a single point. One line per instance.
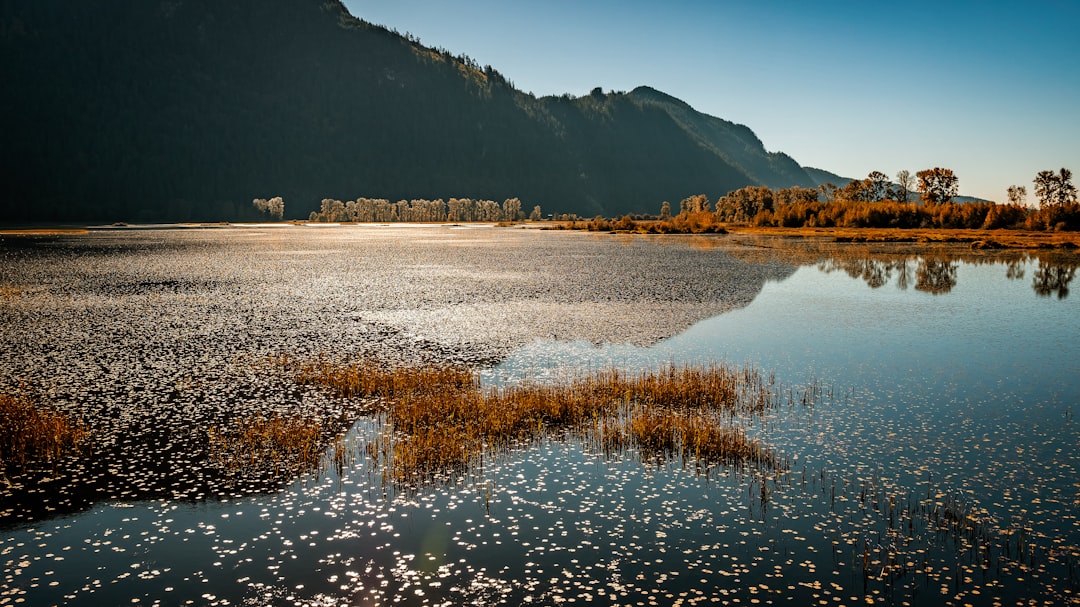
(878, 201)
(381, 210)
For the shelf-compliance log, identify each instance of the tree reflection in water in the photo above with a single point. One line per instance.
(936, 273)
(1053, 277)
(935, 276)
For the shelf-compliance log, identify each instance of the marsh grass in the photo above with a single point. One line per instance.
(10, 293)
(441, 420)
(277, 441)
(31, 432)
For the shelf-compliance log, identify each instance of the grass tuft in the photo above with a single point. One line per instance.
(30, 432)
(284, 442)
(441, 420)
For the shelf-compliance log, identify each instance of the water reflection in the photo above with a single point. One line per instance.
(935, 273)
(945, 474)
(1053, 278)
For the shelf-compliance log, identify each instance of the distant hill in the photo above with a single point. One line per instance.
(821, 177)
(188, 109)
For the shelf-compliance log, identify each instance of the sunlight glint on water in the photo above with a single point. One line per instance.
(964, 399)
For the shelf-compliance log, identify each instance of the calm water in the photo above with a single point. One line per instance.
(936, 464)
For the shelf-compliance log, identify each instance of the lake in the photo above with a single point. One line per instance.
(925, 418)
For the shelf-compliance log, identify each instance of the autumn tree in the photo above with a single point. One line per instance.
(854, 191)
(1017, 195)
(697, 203)
(794, 195)
(937, 185)
(828, 191)
(876, 186)
(536, 215)
(511, 210)
(275, 207)
(1054, 189)
(665, 210)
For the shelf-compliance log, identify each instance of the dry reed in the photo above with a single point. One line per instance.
(275, 440)
(10, 293)
(30, 432)
(442, 420)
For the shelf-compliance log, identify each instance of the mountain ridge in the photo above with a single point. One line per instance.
(189, 109)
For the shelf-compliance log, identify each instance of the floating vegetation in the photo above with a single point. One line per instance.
(441, 420)
(31, 432)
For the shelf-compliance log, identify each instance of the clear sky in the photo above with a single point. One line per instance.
(988, 89)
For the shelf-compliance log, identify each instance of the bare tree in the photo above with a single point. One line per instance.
(905, 182)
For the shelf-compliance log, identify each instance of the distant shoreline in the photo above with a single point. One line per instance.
(976, 239)
(981, 239)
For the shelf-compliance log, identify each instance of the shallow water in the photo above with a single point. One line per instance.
(924, 402)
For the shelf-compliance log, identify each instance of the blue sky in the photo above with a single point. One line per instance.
(988, 89)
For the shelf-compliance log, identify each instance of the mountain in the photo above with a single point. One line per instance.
(735, 144)
(821, 177)
(178, 110)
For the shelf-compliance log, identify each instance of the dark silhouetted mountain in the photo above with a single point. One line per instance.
(181, 110)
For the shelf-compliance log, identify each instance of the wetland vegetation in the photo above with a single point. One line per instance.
(433, 414)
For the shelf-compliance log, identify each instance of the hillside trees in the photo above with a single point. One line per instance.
(938, 185)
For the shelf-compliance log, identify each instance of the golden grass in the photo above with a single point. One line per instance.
(44, 231)
(9, 293)
(283, 442)
(30, 432)
(1010, 239)
(442, 420)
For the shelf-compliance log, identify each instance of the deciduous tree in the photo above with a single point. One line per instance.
(937, 185)
(876, 186)
(905, 182)
(275, 207)
(1017, 195)
(1054, 189)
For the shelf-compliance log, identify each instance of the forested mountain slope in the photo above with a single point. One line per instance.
(181, 110)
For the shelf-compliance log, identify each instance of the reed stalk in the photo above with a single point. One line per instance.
(283, 442)
(31, 432)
